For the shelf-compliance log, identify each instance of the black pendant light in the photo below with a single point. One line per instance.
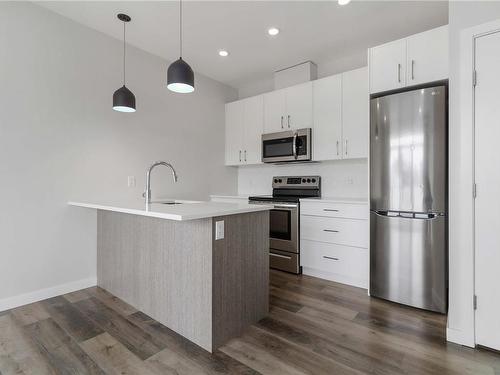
(123, 98)
(180, 76)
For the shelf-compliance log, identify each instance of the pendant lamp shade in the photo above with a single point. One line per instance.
(123, 98)
(180, 76)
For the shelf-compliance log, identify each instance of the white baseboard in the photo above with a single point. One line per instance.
(460, 337)
(41, 294)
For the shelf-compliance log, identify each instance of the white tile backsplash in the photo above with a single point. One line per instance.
(339, 178)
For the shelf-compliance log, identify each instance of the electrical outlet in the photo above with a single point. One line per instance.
(131, 181)
(219, 230)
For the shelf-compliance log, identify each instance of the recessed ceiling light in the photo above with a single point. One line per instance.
(223, 53)
(344, 2)
(273, 31)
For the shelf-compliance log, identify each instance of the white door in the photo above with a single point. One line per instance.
(234, 133)
(253, 125)
(355, 113)
(274, 111)
(388, 66)
(327, 112)
(487, 203)
(299, 111)
(427, 56)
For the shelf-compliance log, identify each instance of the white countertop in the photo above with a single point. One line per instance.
(337, 200)
(186, 210)
(242, 197)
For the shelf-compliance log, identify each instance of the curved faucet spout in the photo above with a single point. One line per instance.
(147, 193)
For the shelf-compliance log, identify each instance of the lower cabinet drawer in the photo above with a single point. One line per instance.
(284, 261)
(350, 232)
(348, 265)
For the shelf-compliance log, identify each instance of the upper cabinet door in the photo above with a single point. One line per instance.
(427, 56)
(253, 128)
(299, 106)
(274, 111)
(388, 66)
(355, 113)
(327, 111)
(234, 133)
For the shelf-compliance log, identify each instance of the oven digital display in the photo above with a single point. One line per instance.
(295, 181)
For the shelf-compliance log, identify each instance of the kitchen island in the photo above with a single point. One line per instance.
(199, 268)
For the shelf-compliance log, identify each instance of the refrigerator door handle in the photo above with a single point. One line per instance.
(409, 215)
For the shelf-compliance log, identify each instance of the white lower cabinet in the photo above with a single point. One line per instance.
(334, 239)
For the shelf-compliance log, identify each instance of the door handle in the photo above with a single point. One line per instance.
(346, 146)
(330, 230)
(331, 258)
(295, 145)
(399, 73)
(281, 122)
(288, 121)
(245, 156)
(240, 156)
(280, 256)
(412, 70)
(330, 210)
(337, 148)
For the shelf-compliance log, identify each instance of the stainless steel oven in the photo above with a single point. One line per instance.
(291, 145)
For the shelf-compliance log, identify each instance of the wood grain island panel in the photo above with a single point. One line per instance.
(206, 290)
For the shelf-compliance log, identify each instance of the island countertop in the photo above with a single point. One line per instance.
(180, 211)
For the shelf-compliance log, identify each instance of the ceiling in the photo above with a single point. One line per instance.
(310, 30)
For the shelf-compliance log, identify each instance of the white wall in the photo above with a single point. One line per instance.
(60, 140)
(340, 178)
(462, 14)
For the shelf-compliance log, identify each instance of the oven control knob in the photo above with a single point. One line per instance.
(280, 180)
(308, 180)
(304, 180)
(275, 180)
(313, 180)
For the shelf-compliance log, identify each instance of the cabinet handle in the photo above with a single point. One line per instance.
(332, 258)
(245, 156)
(337, 148)
(413, 70)
(330, 230)
(346, 146)
(288, 121)
(399, 73)
(280, 256)
(281, 122)
(330, 210)
(240, 156)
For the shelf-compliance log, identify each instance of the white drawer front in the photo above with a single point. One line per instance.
(350, 232)
(343, 210)
(350, 262)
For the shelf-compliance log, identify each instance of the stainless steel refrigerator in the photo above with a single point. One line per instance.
(408, 198)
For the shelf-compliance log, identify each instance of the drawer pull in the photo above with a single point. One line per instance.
(330, 230)
(280, 256)
(331, 258)
(330, 210)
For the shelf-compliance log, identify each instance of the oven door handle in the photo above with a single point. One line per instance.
(295, 135)
(285, 206)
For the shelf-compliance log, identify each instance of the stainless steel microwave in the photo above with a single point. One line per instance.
(287, 146)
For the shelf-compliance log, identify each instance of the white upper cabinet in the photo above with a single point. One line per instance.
(355, 113)
(289, 108)
(244, 127)
(388, 66)
(234, 132)
(253, 127)
(274, 111)
(428, 56)
(327, 110)
(418, 59)
(299, 106)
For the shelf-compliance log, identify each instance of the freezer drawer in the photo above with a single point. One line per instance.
(408, 261)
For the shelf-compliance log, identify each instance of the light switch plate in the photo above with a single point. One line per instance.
(219, 230)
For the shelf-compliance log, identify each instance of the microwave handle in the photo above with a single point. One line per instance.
(295, 145)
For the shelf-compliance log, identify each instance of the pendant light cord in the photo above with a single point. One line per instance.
(124, 46)
(180, 27)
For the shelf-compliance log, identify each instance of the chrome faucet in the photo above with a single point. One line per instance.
(147, 193)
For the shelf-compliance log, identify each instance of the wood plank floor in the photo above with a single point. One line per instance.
(314, 327)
